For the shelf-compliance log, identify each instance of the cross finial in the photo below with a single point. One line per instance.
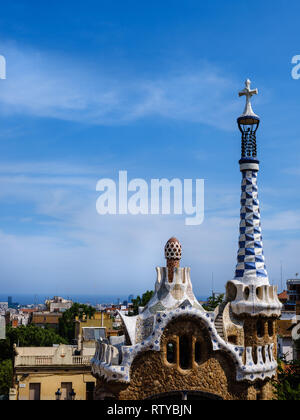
(248, 111)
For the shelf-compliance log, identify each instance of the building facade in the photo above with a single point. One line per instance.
(289, 322)
(293, 292)
(174, 348)
(52, 373)
(46, 319)
(3, 308)
(58, 304)
(285, 342)
(2, 327)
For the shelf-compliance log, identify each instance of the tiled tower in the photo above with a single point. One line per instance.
(251, 296)
(250, 292)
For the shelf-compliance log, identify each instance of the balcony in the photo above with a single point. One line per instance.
(81, 360)
(62, 355)
(52, 361)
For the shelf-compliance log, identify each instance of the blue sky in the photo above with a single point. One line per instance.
(96, 87)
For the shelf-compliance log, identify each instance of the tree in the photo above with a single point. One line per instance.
(287, 384)
(67, 322)
(27, 336)
(6, 375)
(23, 336)
(213, 302)
(141, 301)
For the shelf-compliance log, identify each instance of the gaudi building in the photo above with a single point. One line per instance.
(174, 349)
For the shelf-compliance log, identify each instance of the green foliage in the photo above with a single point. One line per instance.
(213, 302)
(66, 323)
(27, 336)
(141, 301)
(287, 384)
(23, 336)
(6, 375)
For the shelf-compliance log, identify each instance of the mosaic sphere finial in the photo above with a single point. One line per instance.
(173, 249)
(173, 256)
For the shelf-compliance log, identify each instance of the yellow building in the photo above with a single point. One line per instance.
(100, 321)
(63, 371)
(43, 319)
(52, 373)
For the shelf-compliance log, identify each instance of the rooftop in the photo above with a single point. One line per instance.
(283, 295)
(60, 355)
(293, 281)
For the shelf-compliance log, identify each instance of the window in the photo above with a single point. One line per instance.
(231, 291)
(66, 389)
(171, 352)
(232, 339)
(259, 396)
(254, 354)
(246, 293)
(263, 354)
(186, 346)
(197, 352)
(270, 328)
(184, 352)
(34, 392)
(90, 391)
(260, 328)
(259, 292)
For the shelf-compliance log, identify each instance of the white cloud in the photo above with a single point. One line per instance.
(49, 168)
(83, 252)
(282, 221)
(48, 85)
(291, 171)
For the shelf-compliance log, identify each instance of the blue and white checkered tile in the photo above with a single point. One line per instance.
(250, 259)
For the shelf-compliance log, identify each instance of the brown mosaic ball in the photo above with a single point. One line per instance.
(173, 249)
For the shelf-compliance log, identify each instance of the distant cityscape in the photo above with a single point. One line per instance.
(20, 313)
(19, 300)
(35, 299)
(104, 323)
(24, 311)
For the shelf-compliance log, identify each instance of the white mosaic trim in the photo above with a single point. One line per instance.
(164, 296)
(262, 299)
(249, 371)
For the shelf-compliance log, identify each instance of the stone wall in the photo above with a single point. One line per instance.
(252, 336)
(215, 373)
(233, 327)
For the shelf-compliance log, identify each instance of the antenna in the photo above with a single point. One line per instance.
(212, 283)
(281, 276)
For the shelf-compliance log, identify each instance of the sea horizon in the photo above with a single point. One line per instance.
(39, 298)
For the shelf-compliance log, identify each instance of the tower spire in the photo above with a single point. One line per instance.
(248, 124)
(250, 259)
(248, 111)
(250, 291)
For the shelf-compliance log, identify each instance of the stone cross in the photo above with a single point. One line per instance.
(248, 93)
